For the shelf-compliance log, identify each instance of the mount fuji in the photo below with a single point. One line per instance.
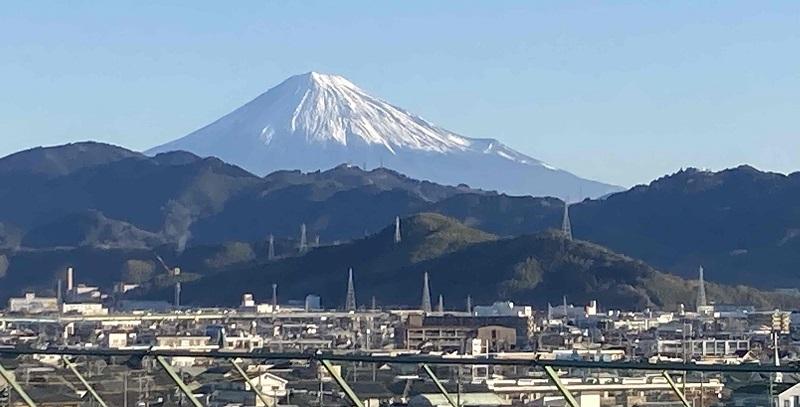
(316, 121)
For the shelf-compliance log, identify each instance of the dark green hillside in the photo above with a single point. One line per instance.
(742, 225)
(461, 261)
(90, 228)
(502, 214)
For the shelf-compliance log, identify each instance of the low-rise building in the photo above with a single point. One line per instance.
(117, 340)
(452, 332)
(84, 308)
(31, 304)
(184, 342)
(701, 348)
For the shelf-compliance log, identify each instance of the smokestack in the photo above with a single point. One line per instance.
(274, 298)
(177, 294)
(58, 294)
(70, 281)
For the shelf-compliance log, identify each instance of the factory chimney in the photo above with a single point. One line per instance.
(178, 294)
(70, 279)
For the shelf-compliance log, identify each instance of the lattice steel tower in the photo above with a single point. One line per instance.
(426, 294)
(303, 242)
(350, 302)
(566, 226)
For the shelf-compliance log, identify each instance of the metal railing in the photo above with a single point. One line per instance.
(325, 358)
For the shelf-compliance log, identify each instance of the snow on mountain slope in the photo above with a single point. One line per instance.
(316, 121)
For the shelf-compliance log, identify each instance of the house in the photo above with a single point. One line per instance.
(185, 342)
(273, 387)
(226, 386)
(789, 397)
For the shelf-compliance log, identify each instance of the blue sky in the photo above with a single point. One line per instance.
(623, 92)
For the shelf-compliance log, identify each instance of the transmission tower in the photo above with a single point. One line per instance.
(397, 236)
(350, 302)
(426, 294)
(303, 243)
(566, 226)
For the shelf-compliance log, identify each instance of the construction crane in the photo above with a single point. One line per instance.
(170, 271)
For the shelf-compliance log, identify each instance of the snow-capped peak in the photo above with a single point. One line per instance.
(317, 121)
(329, 108)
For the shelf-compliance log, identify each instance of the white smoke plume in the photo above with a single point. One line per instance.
(177, 223)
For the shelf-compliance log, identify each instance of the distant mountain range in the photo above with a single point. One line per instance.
(315, 122)
(99, 207)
